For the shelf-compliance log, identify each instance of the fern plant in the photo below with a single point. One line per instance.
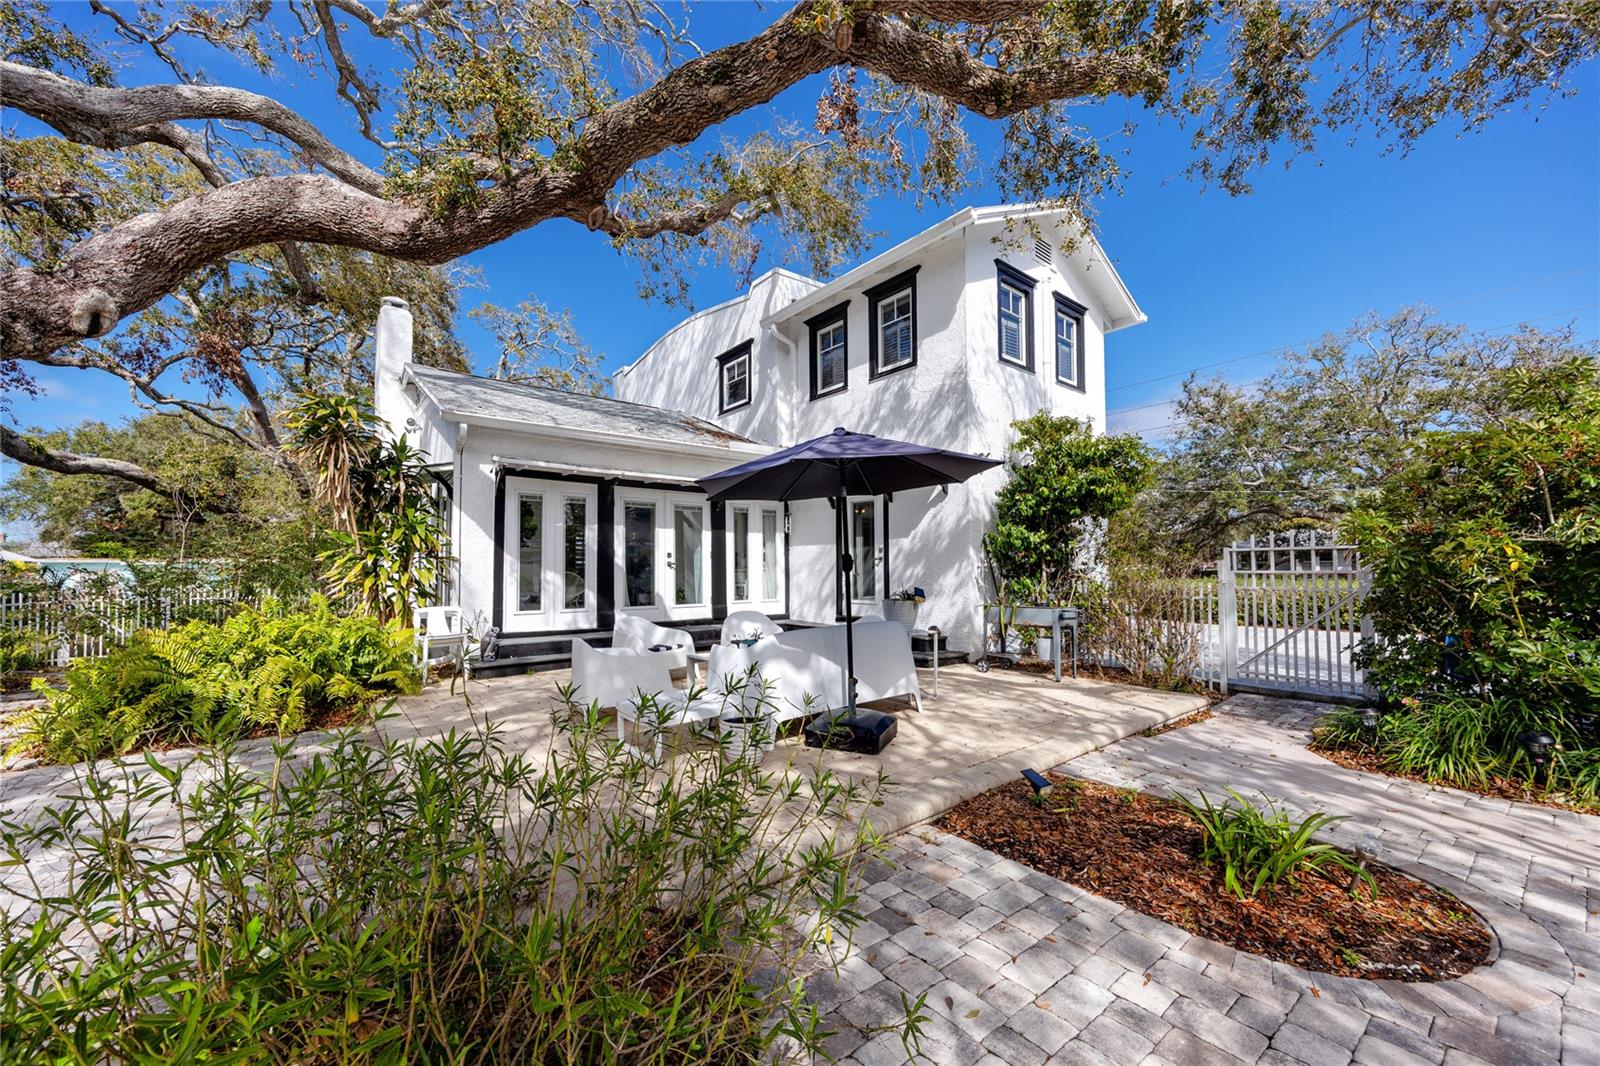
(1260, 848)
(272, 669)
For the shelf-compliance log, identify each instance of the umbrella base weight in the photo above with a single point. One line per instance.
(865, 732)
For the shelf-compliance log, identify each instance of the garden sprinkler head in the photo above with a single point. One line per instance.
(1538, 745)
(1037, 781)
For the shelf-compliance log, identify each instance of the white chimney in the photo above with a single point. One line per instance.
(393, 346)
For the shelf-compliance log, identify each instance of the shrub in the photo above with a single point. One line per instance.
(441, 901)
(267, 669)
(1259, 848)
(22, 651)
(1143, 622)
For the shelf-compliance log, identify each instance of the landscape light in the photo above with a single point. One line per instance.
(1369, 718)
(1588, 727)
(1037, 781)
(1538, 745)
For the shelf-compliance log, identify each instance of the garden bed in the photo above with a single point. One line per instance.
(1369, 761)
(1143, 852)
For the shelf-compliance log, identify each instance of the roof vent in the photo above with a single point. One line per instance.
(1041, 250)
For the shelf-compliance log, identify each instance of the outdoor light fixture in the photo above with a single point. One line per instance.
(1369, 718)
(1037, 782)
(1538, 745)
(1588, 727)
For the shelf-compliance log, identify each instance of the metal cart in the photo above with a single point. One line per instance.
(1059, 620)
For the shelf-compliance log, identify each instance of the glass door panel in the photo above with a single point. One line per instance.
(575, 542)
(770, 559)
(741, 554)
(530, 553)
(639, 553)
(864, 547)
(688, 550)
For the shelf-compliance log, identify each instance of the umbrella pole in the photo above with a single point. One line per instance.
(847, 561)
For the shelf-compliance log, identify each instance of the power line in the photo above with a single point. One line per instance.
(1255, 381)
(1285, 347)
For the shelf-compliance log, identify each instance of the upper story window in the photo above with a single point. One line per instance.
(733, 378)
(892, 323)
(1015, 315)
(830, 358)
(1069, 342)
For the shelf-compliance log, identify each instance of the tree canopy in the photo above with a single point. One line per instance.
(177, 220)
(1331, 423)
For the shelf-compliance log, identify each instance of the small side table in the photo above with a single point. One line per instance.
(699, 666)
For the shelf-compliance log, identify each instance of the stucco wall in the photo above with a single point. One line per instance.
(959, 395)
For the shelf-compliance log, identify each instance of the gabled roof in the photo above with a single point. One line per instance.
(1098, 273)
(509, 404)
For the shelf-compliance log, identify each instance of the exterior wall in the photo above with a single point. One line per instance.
(679, 371)
(958, 395)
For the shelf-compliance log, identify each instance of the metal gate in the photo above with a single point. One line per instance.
(1290, 613)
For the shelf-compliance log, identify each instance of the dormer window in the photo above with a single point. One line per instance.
(830, 353)
(892, 324)
(733, 375)
(1069, 343)
(1015, 316)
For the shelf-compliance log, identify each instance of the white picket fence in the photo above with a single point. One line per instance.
(1284, 614)
(67, 624)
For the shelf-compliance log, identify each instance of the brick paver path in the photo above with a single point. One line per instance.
(1023, 969)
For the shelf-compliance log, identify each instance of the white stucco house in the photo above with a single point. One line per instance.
(567, 510)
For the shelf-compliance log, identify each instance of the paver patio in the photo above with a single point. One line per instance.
(962, 743)
(1024, 969)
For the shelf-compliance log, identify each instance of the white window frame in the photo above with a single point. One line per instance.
(1074, 315)
(880, 363)
(664, 606)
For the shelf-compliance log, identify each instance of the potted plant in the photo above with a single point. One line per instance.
(902, 607)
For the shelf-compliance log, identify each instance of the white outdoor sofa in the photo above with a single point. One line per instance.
(740, 625)
(803, 669)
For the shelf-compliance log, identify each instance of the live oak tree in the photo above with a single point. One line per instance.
(468, 122)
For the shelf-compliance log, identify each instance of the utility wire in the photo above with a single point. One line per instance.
(1285, 347)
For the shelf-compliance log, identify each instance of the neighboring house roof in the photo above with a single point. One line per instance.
(466, 398)
(1100, 276)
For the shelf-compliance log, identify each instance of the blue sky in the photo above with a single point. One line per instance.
(1494, 228)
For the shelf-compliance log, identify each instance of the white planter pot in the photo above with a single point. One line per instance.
(902, 611)
(1044, 648)
(746, 739)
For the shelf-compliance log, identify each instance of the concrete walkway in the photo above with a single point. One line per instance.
(1023, 969)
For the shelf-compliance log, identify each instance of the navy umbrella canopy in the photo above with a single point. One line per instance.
(844, 463)
(838, 465)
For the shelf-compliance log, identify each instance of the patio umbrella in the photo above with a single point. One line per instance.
(840, 465)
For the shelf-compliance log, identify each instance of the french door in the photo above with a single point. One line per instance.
(864, 526)
(549, 536)
(663, 553)
(755, 557)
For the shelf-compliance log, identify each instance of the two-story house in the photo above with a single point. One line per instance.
(566, 510)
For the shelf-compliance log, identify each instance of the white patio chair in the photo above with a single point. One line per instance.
(742, 624)
(437, 628)
(641, 635)
(638, 686)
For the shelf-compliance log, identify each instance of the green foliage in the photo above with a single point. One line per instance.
(1260, 848)
(1485, 555)
(438, 901)
(390, 542)
(1063, 477)
(267, 669)
(1328, 426)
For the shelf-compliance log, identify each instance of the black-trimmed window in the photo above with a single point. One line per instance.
(1069, 342)
(830, 351)
(892, 324)
(733, 378)
(1014, 307)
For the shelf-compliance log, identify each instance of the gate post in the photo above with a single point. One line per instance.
(1227, 621)
(1364, 590)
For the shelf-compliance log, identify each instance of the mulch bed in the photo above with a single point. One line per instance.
(1372, 762)
(1143, 852)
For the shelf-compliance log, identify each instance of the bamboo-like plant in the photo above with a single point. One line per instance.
(440, 900)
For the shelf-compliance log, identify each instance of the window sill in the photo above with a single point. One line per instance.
(815, 396)
(1026, 368)
(735, 407)
(875, 374)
